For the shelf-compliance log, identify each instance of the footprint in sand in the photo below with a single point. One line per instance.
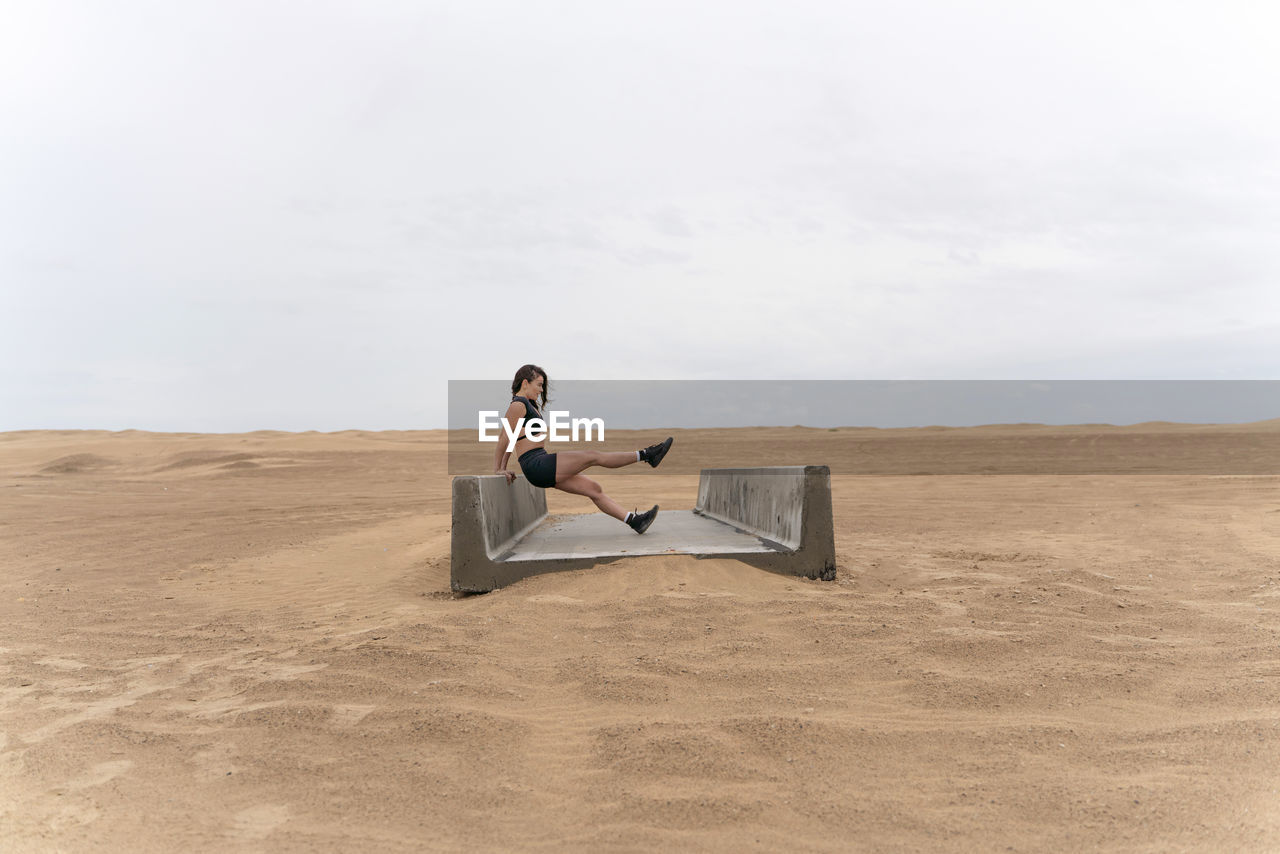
(258, 822)
(216, 762)
(103, 772)
(74, 815)
(556, 598)
(219, 707)
(348, 715)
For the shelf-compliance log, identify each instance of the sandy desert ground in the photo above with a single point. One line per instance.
(248, 642)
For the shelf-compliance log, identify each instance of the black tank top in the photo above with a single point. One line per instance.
(530, 412)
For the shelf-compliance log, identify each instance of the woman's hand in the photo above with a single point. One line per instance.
(510, 475)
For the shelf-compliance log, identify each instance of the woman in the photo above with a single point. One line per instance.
(563, 469)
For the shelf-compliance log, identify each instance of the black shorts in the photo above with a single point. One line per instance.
(539, 467)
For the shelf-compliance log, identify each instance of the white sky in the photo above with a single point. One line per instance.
(220, 216)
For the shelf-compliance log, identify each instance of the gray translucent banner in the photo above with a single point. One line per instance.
(903, 427)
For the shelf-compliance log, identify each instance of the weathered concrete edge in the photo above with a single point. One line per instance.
(815, 557)
(470, 550)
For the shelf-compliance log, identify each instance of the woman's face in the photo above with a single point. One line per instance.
(533, 388)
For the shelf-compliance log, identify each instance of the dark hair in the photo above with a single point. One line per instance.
(529, 372)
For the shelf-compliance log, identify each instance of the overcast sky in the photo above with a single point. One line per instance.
(222, 216)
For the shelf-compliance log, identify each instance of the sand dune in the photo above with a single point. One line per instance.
(247, 642)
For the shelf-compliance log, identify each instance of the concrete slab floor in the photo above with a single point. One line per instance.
(594, 535)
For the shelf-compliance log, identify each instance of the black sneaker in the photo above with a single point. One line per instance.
(654, 453)
(640, 522)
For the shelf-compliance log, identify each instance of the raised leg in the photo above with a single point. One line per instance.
(570, 463)
(582, 485)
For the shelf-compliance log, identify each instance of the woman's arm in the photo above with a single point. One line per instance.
(500, 454)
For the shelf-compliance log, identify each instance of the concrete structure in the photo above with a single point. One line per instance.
(776, 518)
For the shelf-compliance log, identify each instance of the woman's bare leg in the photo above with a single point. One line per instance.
(580, 484)
(570, 463)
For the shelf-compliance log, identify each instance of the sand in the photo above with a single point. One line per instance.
(248, 642)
